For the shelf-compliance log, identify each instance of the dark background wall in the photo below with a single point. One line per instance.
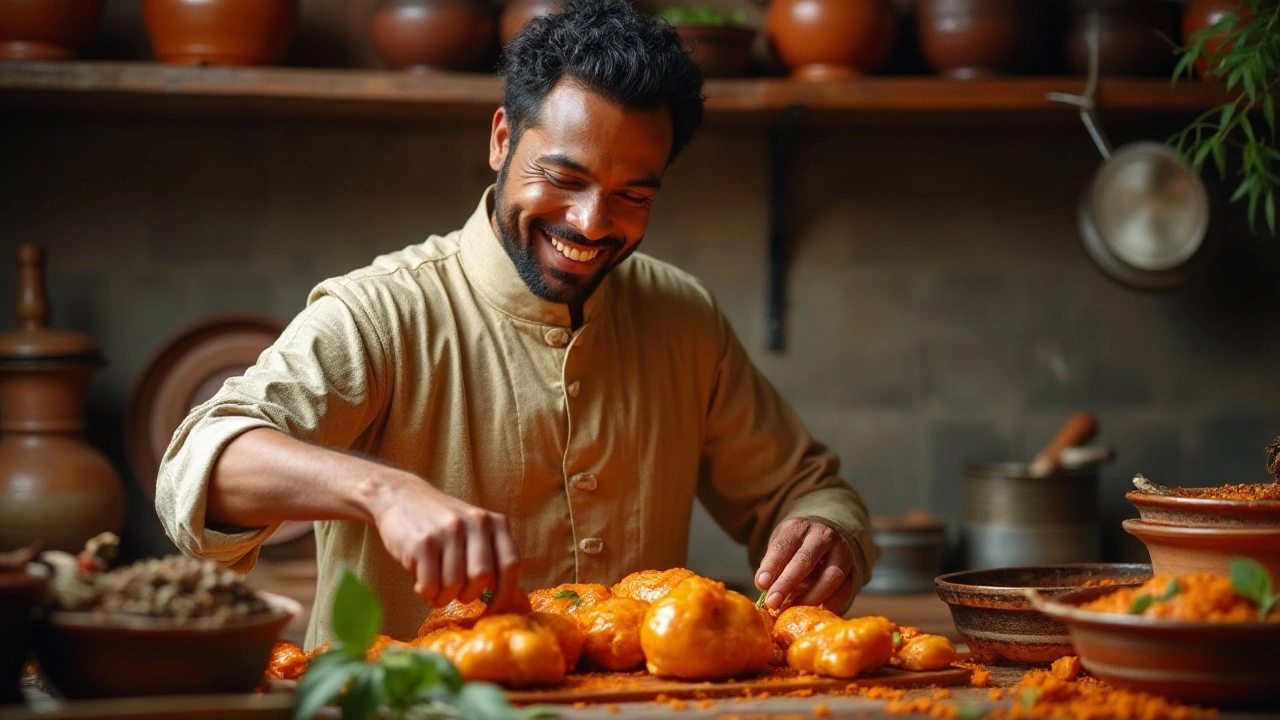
(941, 310)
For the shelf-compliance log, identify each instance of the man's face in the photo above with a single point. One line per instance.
(574, 194)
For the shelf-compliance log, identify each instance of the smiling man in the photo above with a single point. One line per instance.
(525, 400)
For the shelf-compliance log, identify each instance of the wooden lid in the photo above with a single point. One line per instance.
(34, 339)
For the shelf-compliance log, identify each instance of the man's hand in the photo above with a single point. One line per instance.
(808, 563)
(454, 550)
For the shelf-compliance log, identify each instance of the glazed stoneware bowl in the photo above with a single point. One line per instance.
(1203, 511)
(88, 655)
(1198, 662)
(992, 613)
(1181, 550)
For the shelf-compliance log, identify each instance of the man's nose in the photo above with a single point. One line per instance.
(589, 214)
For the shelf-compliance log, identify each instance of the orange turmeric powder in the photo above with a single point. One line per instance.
(1198, 597)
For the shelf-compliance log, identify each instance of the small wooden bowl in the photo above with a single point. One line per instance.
(993, 615)
(1197, 662)
(1178, 550)
(88, 655)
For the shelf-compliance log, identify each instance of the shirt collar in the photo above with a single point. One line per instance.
(492, 272)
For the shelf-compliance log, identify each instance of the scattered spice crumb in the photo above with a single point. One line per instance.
(996, 693)
(821, 710)
(941, 693)
(704, 704)
(612, 709)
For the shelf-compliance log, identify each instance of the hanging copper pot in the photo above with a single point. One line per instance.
(54, 487)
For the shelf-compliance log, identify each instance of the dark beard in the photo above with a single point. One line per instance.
(572, 290)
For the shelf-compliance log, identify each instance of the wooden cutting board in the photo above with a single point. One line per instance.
(640, 686)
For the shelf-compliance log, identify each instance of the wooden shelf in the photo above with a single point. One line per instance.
(271, 92)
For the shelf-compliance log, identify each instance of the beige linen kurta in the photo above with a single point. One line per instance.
(437, 359)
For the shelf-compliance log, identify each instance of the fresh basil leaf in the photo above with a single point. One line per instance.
(1252, 581)
(357, 615)
(365, 695)
(1140, 604)
(566, 594)
(325, 677)
(404, 672)
(443, 671)
(482, 701)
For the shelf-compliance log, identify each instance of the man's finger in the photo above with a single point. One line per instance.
(427, 570)
(453, 566)
(815, 545)
(786, 539)
(824, 583)
(508, 593)
(481, 573)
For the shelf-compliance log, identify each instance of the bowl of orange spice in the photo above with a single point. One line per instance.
(1201, 638)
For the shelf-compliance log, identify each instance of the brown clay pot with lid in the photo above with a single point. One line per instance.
(220, 32)
(518, 13)
(54, 487)
(425, 35)
(974, 39)
(831, 39)
(46, 29)
(1132, 36)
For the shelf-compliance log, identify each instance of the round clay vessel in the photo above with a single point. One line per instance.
(1203, 511)
(220, 32)
(970, 39)
(720, 51)
(46, 29)
(1201, 14)
(831, 39)
(1131, 36)
(1179, 550)
(421, 35)
(518, 13)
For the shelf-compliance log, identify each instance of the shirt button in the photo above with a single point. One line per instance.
(573, 388)
(557, 337)
(586, 481)
(592, 546)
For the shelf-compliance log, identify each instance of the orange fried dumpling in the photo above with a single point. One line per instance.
(511, 650)
(567, 633)
(844, 648)
(924, 652)
(800, 620)
(650, 585)
(569, 597)
(288, 661)
(453, 615)
(701, 631)
(381, 643)
(612, 630)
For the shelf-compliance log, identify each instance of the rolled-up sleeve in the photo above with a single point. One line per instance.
(318, 383)
(761, 466)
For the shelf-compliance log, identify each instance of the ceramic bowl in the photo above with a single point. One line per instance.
(1178, 550)
(1204, 512)
(1196, 662)
(993, 615)
(87, 655)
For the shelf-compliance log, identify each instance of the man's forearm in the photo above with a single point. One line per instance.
(265, 477)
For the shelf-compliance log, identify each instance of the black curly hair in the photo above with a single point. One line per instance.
(634, 60)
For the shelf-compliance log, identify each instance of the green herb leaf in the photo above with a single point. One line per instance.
(1170, 590)
(486, 596)
(760, 600)
(404, 673)
(1252, 581)
(1140, 603)
(483, 701)
(565, 594)
(357, 615)
(364, 696)
(897, 638)
(325, 678)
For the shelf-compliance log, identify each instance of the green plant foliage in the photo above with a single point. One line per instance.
(695, 15)
(1248, 61)
(1251, 580)
(401, 683)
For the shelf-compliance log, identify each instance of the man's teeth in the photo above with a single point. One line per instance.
(572, 254)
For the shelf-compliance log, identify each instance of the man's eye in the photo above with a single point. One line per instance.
(637, 199)
(559, 180)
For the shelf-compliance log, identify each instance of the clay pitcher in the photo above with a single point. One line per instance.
(53, 486)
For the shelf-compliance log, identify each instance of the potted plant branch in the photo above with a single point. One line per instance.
(1241, 50)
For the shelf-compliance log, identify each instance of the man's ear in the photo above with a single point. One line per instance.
(499, 140)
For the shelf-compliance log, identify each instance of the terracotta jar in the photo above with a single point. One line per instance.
(518, 13)
(220, 32)
(422, 35)
(1201, 14)
(831, 39)
(46, 29)
(1132, 36)
(53, 486)
(967, 39)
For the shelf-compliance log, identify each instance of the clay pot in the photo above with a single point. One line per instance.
(420, 35)
(1201, 14)
(719, 50)
(220, 32)
(518, 13)
(1132, 36)
(831, 39)
(46, 29)
(54, 487)
(968, 39)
